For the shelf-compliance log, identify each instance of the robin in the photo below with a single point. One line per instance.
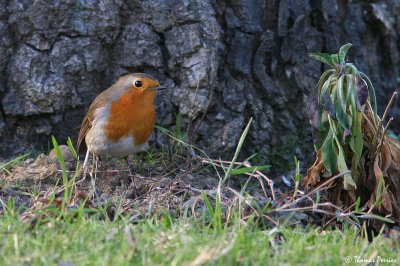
(121, 119)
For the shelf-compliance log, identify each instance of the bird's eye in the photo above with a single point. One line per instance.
(138, 84)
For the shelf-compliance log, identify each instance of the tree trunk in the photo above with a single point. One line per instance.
(224, 62)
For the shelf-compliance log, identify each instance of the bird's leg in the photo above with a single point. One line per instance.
(94, 169)
(85, 164)
(123, 180)
(126, 158)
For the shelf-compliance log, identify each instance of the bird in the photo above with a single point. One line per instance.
(120, 119)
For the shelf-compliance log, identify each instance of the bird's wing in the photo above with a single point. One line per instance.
(88, 120)
(116, 89)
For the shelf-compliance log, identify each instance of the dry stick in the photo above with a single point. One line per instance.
(372, 124)
(98, 171)
(309, 208)
(384, 129)
(387, 126)
(243, 199)
(388, 107)
(314, 206)
(269, 181)
(270, 219)
(252, 175)
(380, 129)
(347, 209)
(378, 149)
(255, 174)
(366, 118)
(314, 190)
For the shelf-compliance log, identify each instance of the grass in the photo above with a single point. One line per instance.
(161, 241)
(6, 166)
(82, 231)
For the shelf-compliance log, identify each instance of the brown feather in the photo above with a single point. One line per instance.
(87, 121)
(99, 101)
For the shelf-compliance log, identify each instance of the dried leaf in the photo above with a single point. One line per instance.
(386, 158)
(314, 173)
(377, 170)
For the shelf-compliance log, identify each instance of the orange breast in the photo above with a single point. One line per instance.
(133, 113)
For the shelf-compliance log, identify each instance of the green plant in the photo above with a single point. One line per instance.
(178, 137)
(354, 140)
(6, 166)
(342, 95)
(67, 184)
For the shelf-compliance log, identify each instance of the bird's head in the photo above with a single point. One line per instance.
(142, 83)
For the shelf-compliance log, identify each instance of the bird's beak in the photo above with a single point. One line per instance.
(160, 88)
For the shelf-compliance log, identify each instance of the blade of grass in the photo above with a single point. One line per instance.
(64, 173)
(7, 165)
(245, 170)
(238, 148)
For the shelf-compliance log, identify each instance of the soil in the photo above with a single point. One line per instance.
(149, 183)
(142, 184)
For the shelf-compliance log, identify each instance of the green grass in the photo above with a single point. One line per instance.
(90, 241)
(77, 235)
(6, 166)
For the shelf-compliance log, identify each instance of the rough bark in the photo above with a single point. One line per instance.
(230, 60)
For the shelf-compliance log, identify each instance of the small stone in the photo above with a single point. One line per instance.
(65, 152)
(29, 160)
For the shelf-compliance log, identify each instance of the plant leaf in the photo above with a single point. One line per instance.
(371, 91)
(348, 182)
(340, 106)
(350, 85)
(343, 51)
(323, 78)
(329, 154)
(376, 217)
(324, 58)
(238, 148)
(328, 104)
(251, 169)
(325, 97)
(335, 58)
(356, 143)
(353, 69)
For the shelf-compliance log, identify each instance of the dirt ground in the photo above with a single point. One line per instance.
(149, 183)
(143, 183)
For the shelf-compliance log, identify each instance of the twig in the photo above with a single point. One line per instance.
(388, 107)
(255, 174)
(378, 149)
(318, 188)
